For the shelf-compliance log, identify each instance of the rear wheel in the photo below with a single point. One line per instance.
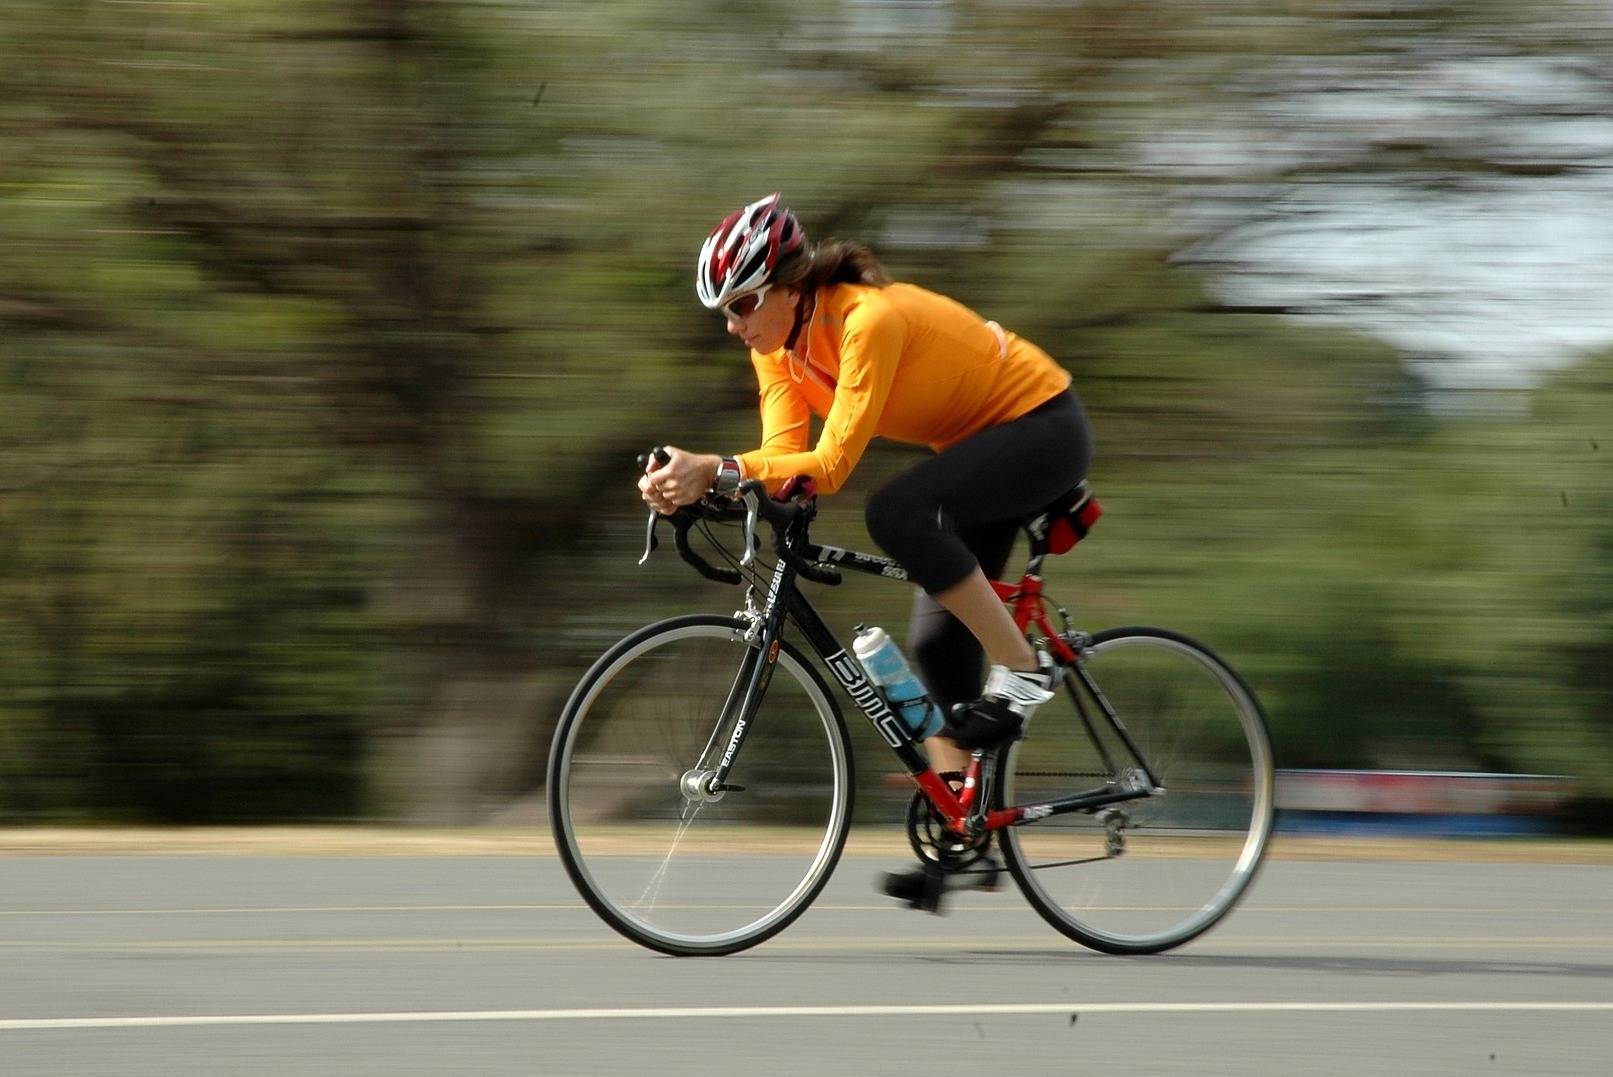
(658, 854)
(1146, 874)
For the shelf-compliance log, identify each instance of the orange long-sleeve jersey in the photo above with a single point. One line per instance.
(896, 362)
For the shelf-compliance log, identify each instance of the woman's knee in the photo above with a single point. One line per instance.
(893, 520)
(944, 646)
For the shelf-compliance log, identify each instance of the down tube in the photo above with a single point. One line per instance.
(849, 672)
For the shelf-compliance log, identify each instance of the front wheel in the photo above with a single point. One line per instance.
(1146, 874)
(661, 856)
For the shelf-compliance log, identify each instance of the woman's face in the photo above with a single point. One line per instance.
(767, 327)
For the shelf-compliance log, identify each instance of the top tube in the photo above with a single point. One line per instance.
(1054, 529)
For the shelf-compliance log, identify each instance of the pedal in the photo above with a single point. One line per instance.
(929, 896)
(920, 889)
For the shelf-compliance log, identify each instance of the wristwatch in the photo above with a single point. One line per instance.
(728, 476)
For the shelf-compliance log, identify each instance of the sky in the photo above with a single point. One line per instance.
(1484, 251)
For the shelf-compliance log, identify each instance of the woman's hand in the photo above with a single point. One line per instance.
(684, 479)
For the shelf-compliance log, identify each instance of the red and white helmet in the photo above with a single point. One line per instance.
(742, 252)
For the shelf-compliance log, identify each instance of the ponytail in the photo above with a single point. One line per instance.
(831, 262)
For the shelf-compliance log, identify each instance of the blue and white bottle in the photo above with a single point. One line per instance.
(887, 667)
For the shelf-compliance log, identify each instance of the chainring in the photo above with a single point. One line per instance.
(932, 842)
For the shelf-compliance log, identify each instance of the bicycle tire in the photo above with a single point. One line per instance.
(674, 872)
(1187, 856)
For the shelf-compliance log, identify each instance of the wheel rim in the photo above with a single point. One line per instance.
(1187, 855)
(659, 854)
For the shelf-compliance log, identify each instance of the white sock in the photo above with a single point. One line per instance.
(1024, 692)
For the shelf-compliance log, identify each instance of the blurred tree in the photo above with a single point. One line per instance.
(332, 328)
(1523, 589)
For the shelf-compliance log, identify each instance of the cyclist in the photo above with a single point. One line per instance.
(830, 334)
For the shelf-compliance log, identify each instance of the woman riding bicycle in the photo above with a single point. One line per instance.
(830, 334)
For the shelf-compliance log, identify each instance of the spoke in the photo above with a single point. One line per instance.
(652, 891)
(639, 810)
(1159, 868)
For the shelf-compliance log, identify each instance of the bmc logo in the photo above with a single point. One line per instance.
(850, 675)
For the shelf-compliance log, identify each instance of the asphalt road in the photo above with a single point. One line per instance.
(491, 965)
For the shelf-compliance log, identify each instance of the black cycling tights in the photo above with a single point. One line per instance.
(960, 509)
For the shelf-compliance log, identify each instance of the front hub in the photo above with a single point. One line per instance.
(698, 786)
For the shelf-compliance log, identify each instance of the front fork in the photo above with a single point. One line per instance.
(707, 781)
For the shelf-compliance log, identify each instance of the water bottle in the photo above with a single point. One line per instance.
(888, 668)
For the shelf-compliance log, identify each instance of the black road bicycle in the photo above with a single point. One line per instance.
(700, 781)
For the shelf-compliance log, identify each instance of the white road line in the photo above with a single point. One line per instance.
(684, 1013)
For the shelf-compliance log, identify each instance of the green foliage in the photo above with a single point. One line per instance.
(330, 331)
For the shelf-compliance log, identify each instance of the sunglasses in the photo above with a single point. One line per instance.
(743, 306)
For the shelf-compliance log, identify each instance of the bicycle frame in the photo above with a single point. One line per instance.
(964, 811)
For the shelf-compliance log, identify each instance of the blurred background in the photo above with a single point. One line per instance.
(330, 329)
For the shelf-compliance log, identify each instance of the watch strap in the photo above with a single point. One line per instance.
(729, 476)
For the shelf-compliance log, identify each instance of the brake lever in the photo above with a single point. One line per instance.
(751, 508)
(650, 541)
